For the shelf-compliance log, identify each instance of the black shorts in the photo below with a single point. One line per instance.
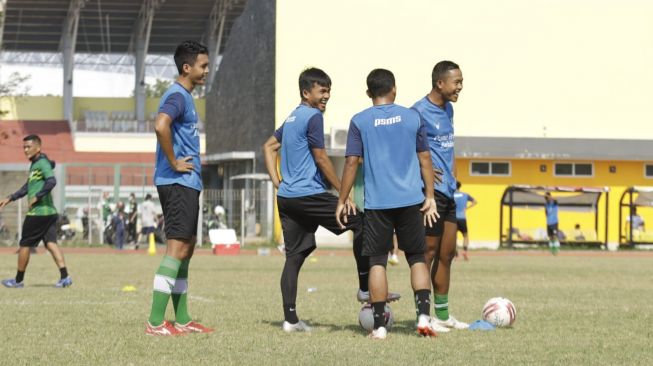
(181, 208)
(462, 226)
(379, 225)
(552, 230)
(147, 230)
(447, 212)
(301, 216)
(37, 228)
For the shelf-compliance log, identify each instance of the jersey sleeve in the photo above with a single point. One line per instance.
(354, 141)
(315, 131)
(173, 106)
(422, 139)
(46, 168)
(278, 134)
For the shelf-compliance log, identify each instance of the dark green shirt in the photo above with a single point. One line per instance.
(39, 171)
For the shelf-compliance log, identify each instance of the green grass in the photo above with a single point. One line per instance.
(570, 311)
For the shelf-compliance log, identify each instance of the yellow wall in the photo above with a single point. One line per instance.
(32, 108)
(483, 219)
(51, 108)
(576, 67)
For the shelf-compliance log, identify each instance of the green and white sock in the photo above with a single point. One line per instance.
(179, 294)
(442, 306)
(164, 282)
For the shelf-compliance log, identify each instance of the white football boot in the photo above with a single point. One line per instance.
(300, 326)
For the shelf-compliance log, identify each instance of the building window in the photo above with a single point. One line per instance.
(574, 169)
(499, 168)
(648, 170)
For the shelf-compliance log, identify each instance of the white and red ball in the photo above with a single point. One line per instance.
(500, 312)
(366, 317)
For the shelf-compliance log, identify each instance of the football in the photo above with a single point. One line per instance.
(500, 312)
(366, 317)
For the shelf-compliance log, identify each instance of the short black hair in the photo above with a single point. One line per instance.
(186, 53)
(312, 76)
(34, 138)
(380, 82)
(440, 69)
(148, 196)
(458, 184)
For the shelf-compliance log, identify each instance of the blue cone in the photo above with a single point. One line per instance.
(481, 325)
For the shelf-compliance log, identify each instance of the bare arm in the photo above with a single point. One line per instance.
(326, 167)
(427, 172)
(164, 137)
(429, 208)
(344, 207)
(473, 201)
(271, 152)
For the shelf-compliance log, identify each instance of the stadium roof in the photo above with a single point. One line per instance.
(553, 148)
(108, 26)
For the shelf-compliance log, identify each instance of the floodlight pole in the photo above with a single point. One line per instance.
(141, 44)
(67, 46)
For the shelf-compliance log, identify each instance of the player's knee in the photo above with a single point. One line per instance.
(448, 258)
(413, 258)
(379, 260)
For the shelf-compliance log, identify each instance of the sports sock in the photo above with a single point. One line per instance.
(442, 306)
(290, 313)
(362, 264)
(164, 282)
(64, 272)
(20, 275)
(378, 309)
(423, 302)
(289, 278)
(179, 294)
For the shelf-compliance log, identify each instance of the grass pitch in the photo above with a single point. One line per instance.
(571, 310)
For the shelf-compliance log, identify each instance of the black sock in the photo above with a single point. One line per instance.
(290, 313)
(64, 272)
(19, 276)
(378, 309)
(289, 278)
(423, 302)
(362, 264)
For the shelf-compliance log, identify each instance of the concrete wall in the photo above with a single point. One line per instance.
(240, 108)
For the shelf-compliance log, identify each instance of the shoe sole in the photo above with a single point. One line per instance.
(426, 332)
(196, 331)
(387, 300)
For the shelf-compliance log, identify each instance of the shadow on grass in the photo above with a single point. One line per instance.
(402, 327)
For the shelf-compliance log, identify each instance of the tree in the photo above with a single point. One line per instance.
(15, 86)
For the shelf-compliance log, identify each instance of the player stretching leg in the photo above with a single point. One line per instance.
(178, 181)
(41, 221)
(392, 141)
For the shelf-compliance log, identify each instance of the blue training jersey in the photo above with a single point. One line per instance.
(302, 131)
(461, 199)
(439, 129)
(388, 138)
(551, 209)
(178, 103)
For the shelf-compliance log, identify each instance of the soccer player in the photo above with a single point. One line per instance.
(178, 181)
(41, 221)
(148, 220)
(461, 199)
(436, 113)
(396, 162)
(302, 199)
(551, 210)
